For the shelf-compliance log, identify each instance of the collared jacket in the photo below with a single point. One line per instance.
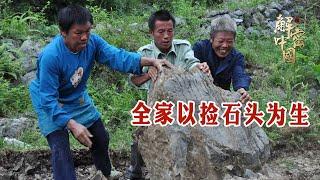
(180, 55)
(230, 69)
(59, 92)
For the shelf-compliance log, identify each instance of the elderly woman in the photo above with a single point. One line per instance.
(225, 62)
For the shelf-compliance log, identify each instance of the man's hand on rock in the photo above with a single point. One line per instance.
(157, 67)
(204, 68)
(158, 63)
(152, 72)
(245, 97)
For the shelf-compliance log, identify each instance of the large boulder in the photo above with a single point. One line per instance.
(177, 152)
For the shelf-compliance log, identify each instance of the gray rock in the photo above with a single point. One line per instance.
(134, 25)
(11, 43)
(249, 30)
(4, 175)
(178, 152)
(13, 128)
(261, 8)
(300, 9)
(275, 5)
(285, 13)
(227, 177)
(212, 14)
(180, 21)
(266, 32)
(144, 27)
(271, 13)
(203, 31)
(99, 28)
(252, 31)
(258, 18)
(292, 12)
(287, 4)
(247, 20)
(112, 29)
(18, 165)
(29, 63)
(250, 174)
(238, 21)
(315, 177)
(271, 25)
(280, 92)
(266, 170)
(313, 94)
(31, 50)
(30, 169)
(27, 78)
(238, 12)
(15, 142)
(22, 177)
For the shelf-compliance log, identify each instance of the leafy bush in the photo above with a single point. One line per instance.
(10, 67)
(13, 100)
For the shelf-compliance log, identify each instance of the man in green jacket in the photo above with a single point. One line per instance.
(177, 52)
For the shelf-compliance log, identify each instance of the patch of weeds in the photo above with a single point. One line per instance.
(34, 138)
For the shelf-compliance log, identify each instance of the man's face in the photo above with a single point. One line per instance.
(77, 37)
(163, 35)
(222, 43)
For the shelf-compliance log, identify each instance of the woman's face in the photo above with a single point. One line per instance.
(222, 43)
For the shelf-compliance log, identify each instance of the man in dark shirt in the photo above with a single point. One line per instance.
(226, 63)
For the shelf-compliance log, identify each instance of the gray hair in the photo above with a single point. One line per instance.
(223, 23)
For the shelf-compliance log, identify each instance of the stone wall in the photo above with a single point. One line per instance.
(263, 16)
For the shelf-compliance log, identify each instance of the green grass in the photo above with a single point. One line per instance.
(115, 98)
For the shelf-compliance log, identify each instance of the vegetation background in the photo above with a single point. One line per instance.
(123, 24)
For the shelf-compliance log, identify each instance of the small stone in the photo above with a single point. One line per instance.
(29, 170)
(19, 165)
(285, 13)
(275, 5)
(261, 8)
(180, 21)
(271, 13)
(229, 167)
(238, 21)
(22, 177)
(249, 174)
(315, 177)
(37, 176)
(238, 12)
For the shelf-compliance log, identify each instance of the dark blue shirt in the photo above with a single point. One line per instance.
(226, 70)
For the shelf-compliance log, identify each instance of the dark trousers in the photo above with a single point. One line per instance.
(61, 158)
(135, 171)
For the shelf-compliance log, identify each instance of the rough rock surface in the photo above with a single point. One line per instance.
(177, 152)
(13, 128)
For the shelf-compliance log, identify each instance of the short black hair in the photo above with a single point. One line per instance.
(73, 14)
(161, 15)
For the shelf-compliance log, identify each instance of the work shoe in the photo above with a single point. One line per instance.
(133, 175)
(113, 175)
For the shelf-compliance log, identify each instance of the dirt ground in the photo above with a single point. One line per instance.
(287, 162)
